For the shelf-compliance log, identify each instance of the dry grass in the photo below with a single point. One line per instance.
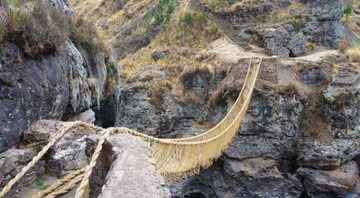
(184, 42)
(109, 17)
(219, 6)
(36, 27)
(284, 15)
(157, 89)
(354, 54)
(216, 5)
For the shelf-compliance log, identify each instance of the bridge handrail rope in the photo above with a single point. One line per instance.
(174, 158)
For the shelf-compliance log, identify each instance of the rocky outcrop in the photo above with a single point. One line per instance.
(56, 84)
(70, 153)
(325, 26)
(341, 102)
(140, 108)
(270, 128)
(43, 89)
(335, 183)
(262, 178)
(284, 44)
(242, 12)
(328, 156)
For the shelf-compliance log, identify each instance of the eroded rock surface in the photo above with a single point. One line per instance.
(335, 183)
(43, 89)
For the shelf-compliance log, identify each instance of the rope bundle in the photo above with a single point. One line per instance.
(174, 158)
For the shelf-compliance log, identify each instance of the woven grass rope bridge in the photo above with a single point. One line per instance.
(174, 158)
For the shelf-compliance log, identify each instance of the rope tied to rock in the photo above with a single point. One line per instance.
(56, 137)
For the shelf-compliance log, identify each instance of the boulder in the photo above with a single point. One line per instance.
(157, 55)
(69, 155)
(86, 116)
(261, 178)
(328, 156)
(41, 130)
(275, 42)
(297, 45)
(313, 77)
(335, 183)
(285, 42)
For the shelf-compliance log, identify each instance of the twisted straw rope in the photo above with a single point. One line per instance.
(61, 133)
(59, 183)
(83, 189)
(67, 187)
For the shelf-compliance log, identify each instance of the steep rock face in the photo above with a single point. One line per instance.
(254, 163)
(43, 89)
(325, 26)
(341, 102)
(141, 110)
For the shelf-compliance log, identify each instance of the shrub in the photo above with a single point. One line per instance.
(213, 29)
(46, 31)
(83, 33)
(187, 19)
(161, 15)
(296, 23)
(112, 70)
(215, 5)
(348, 11)
(40, 30)
(15, 17)
(192, 24)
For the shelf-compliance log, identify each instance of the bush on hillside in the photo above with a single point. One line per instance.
(84, 35)
(44, 30)
(162, 13)
(37, 31)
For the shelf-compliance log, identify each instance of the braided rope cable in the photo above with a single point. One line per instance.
(59, 183)
(83, 189)
(31, 164)
(67, 187)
